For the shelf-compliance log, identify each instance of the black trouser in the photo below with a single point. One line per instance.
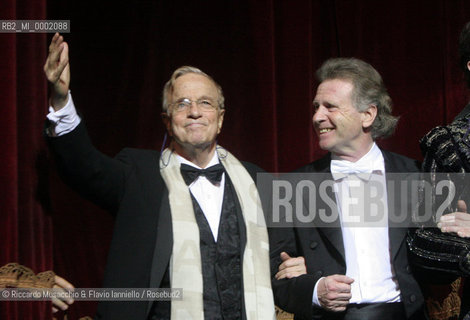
(372, 311)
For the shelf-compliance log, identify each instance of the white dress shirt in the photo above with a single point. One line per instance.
(64, 120)
(366, 243)
(208, 196)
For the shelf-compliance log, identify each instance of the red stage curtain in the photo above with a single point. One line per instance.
(25, 228)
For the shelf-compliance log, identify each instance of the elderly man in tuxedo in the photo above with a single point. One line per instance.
(352, 272)
(186, 218)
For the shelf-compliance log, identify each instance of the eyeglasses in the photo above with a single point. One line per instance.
(185, 104)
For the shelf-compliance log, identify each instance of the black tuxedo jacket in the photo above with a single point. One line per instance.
(323, 251)
(131, 188)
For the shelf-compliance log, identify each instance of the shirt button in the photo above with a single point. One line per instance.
(318, 274)
(412, 298)
(313, 245)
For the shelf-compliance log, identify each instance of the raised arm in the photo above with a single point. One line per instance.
(93, 174)
(57, 70)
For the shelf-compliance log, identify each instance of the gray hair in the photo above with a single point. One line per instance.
(369, 89)
(169, 86)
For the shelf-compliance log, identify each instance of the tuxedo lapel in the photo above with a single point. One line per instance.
(163, 244)
(333, 231)
(335, 237)
(396, 235)
(396, 238)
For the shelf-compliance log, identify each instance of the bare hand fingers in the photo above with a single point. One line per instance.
(457, 222)
(55, 49)
(57, 59)
(335, 304)
(338, 283)
(339, 297)
(63, 285)
(461, 206)
(280, 275)
(292, 262)
(61, 282)
(284, 256)
(463, 232)
(64, 61)
(57, 303)
(455, 217)
(338, 287)
(285, 273)
(291, 272)
(334, 292)
(339, 309)
(342, 278)
(53, 42)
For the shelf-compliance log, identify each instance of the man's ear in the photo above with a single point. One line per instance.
(368, 116)
(220, 120)
(167, 122)
(468, 65)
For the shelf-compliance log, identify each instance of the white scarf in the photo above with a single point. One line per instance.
(185, 265)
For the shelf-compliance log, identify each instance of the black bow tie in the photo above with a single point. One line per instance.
(213, 174)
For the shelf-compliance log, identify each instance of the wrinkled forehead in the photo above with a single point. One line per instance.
(334, 89)
(194, 86)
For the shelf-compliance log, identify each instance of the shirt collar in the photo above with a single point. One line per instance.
(371, 162)
(214, 161)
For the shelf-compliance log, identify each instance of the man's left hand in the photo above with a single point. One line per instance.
(291, 267)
